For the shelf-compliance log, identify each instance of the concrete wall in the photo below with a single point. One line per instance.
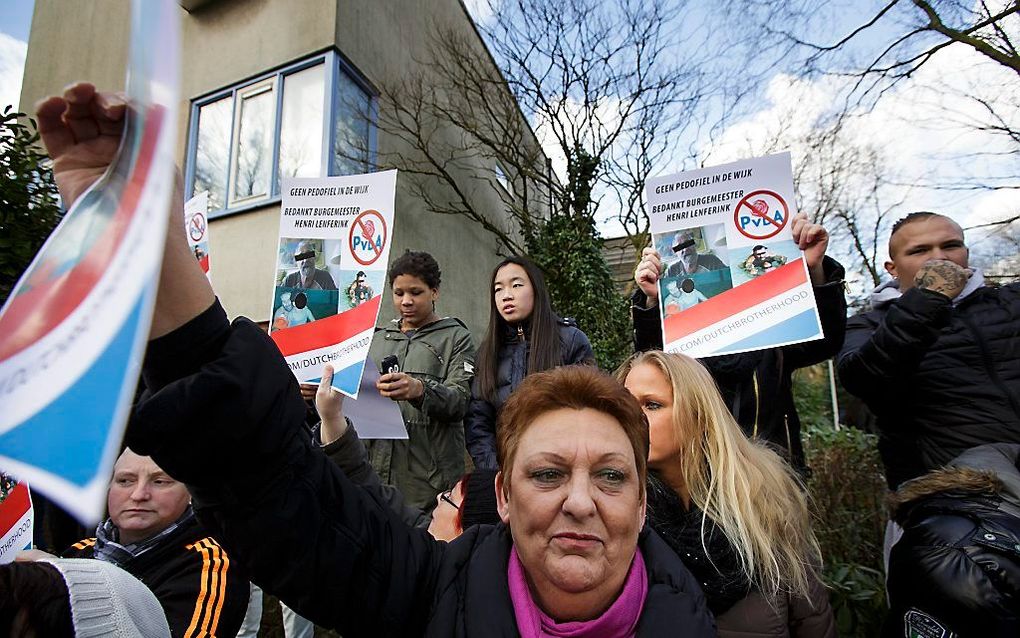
(380, 39)
(228, 41)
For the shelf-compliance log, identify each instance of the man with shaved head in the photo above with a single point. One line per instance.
(152, 533)
(937, 358)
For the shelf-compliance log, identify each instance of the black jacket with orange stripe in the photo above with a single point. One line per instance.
(203, 592)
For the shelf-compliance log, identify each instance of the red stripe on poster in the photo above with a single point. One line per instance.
(45, 300)
(733, 301)
(328, 331)
(14, 507)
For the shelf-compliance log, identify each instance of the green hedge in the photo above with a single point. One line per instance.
(847, 491)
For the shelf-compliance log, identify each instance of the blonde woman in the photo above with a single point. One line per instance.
(730, 507)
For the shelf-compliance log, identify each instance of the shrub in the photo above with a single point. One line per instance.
(29, 205)
(847, 489)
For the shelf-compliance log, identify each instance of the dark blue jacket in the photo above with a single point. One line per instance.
(480, 423)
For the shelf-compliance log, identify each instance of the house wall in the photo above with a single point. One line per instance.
(227, 41)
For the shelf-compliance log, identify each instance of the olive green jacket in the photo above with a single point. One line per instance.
(431, 460)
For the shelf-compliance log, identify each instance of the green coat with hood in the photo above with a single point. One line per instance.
(431, 460)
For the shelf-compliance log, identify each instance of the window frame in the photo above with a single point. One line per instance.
(333, 64)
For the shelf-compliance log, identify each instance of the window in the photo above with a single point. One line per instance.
(503, 180)
(309, 119)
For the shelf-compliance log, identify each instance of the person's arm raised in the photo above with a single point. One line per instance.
(81, 130)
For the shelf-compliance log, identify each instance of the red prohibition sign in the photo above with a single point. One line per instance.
(196, 229)
(758, 211)
(365, 226)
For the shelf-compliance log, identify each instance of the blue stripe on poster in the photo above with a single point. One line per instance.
(67, 437)
(796, 328)
(347, 379)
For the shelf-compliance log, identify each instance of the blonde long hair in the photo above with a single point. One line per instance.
(746, 489)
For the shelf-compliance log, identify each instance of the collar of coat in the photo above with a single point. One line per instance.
(987, 470)
(393, 327)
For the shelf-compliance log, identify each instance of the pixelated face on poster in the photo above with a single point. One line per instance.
(305, 287)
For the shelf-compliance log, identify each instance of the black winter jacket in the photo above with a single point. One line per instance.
(350, 455)
(940, 379)
(202, 590)
(956, 569)
(480, 424)
(757, 385)
(329, 549)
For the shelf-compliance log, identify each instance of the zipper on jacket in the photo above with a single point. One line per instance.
(789, 441)
(757, 403)
(520, 333)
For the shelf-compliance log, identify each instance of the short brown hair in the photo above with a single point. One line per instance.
(575, 387)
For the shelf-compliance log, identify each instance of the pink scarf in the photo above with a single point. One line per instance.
(619, 621)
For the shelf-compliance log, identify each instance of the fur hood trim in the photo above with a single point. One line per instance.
(951, 479)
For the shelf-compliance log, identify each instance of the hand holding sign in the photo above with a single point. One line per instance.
(813, 239)
(646, 276)
(329, 402)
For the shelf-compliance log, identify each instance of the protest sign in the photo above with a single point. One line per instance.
(16, 518)
(733, 279)
(75, 327)
(196, 227)
(335, 236)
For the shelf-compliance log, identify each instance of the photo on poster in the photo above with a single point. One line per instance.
(298, 306)
(302, 264)
(686, 291)
(750, 262)
(359, 286)
(201, 251)
(693, 250)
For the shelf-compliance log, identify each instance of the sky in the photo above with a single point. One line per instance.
(900, 125)
(910, 126)
(15, 21)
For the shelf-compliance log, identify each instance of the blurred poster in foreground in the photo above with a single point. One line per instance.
(335, 237)
(75, 327)
(375, 416)
(16, 518)
(733, 279)
(196, 227)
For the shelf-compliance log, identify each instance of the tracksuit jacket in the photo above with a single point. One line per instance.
(202, 589)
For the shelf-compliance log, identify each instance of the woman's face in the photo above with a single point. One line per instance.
(514, 295)
(445, 525)
(575, 507)
(413, 300)
(653, 391)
